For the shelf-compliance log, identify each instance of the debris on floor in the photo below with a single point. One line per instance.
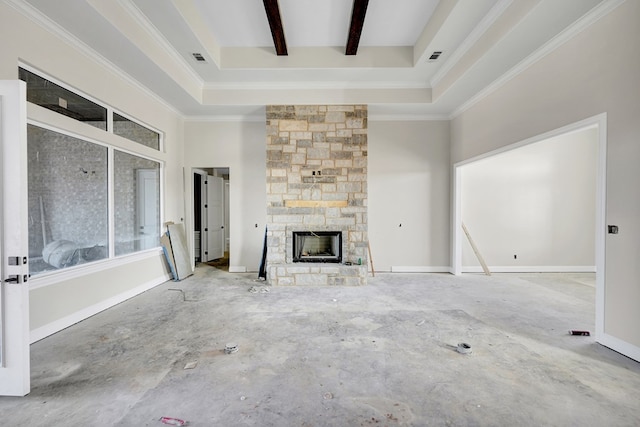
(582, 333)
(327, 396)
(231, 348)
(464, 348)
(420, 323)
(173, 421)
(191, 365)
(261, 289)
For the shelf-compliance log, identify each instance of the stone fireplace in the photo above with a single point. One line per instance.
(317, 194)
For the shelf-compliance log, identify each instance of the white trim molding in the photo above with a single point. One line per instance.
(227, 118)
(60, 324)
(577, 27)
(496, 11)
(600, 121)
(237, 269)
(407, 117)
(52, 278)
(315, 85)
(45, 22)
(533, 269)
(620, 346)
(419, 269)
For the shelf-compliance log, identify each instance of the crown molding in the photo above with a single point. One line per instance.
(406, 117)
(313, 85)
(496, 11)
(590, 18)
(157, 36)
(45, 22)
(227, 118)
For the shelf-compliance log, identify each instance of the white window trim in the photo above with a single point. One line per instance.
(109, 109)
(53, 277)
(57, 276)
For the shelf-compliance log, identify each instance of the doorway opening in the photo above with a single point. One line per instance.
(595, 125)
(211, 216)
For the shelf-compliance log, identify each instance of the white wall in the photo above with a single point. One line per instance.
(408, 182)
(240, 146)
(536, 202)
(63, 298)
(595, 72)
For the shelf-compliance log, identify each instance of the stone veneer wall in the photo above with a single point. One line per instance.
(316, 181)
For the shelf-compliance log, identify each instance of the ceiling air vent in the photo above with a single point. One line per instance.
(199, 57)
(435, 55)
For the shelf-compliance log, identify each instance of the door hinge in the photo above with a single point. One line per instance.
(16, 260)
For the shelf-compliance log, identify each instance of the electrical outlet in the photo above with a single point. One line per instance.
(62, 103)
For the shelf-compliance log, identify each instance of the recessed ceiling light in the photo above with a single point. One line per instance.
(199, 57)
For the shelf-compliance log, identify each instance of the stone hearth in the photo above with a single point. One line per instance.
(317, 181)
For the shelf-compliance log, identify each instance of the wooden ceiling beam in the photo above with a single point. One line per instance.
(357, 22)
(275, 23)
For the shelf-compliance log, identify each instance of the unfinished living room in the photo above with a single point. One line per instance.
(333, 213)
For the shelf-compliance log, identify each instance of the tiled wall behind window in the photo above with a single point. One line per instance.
(68, 195)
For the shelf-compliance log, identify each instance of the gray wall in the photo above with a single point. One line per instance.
(594, 72)
(409, 183)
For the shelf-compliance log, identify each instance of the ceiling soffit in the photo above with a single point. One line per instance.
(472, 35)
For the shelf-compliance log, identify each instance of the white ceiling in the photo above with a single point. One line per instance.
(316, 23)
(152, 41)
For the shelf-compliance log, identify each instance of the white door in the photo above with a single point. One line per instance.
(14, 291)
(147, 206)
(215, 218)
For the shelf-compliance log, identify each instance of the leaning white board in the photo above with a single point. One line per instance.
(180, 252)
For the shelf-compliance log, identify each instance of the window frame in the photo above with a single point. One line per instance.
(110, 110)
(50, 120)
(110, 121)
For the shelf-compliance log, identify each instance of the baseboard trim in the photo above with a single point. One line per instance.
(533, 269)
(60, 324)
(616, 344)
(419, 269)
(237, 269)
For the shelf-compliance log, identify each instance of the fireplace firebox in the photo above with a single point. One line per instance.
(317, 246)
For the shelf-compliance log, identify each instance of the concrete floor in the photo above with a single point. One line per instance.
(379, 355)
